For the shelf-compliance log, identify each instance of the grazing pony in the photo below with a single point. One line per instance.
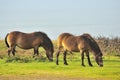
(29, 40)
(83, 44)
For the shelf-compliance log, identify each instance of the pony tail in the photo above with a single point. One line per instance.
(6, 40)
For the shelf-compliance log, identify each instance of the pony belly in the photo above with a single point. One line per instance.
(73, 49)
(24, 46)
(70, 47)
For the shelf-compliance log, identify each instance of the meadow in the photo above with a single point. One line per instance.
(24, 67)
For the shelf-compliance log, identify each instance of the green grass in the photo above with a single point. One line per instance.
(110, 71)
(24, 67)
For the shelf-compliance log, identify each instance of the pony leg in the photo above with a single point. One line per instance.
(13, 51)
(35, 52)
(57, 57)
(64, 57)
(88, 57)
(9, 51)
(82, 57)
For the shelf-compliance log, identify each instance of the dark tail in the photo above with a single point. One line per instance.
(6, 40)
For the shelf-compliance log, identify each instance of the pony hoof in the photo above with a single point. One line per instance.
(91, 65)
(66, 63)
(57, 64)
(83, 65)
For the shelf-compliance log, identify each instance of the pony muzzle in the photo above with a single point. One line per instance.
(101, 64)
(51, 59)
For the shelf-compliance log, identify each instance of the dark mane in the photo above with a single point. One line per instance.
(92, 43)
(39, 32)
(47, 40)
(42, 33)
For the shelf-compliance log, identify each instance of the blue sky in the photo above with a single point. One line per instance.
(97, 17)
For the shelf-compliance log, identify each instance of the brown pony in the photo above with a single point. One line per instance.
(29, 40)
(83, 44)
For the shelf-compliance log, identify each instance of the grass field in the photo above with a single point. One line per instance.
(24, 67)
(49, 70)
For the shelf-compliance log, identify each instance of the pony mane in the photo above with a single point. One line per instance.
(41, 32)
(88, 36)
(92, 43)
